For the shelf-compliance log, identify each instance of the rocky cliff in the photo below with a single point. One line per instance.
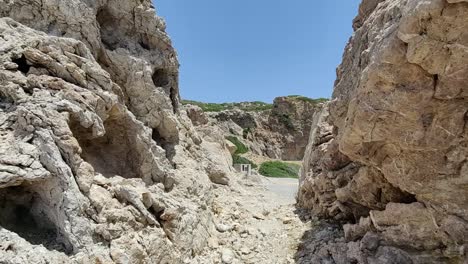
(389, 158)
(97, 162)
(278, 131)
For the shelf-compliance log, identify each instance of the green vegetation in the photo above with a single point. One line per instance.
(279, 169)
(255, 106)
(310, 100)
(245, 132)
(286, 120)
(245, 106)
(236, 159)
(241, 148)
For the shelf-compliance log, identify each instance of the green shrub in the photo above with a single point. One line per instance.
(279, 169)
(214, 107)
(236, 159)
(241, 148)
(286, 121)
(245, 132)
(310, 100)
(255, 106)
(206, 107)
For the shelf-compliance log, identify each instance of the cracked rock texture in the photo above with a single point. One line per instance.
(97, 162)
(390, 155)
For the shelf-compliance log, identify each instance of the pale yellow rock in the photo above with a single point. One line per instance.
(394, 144)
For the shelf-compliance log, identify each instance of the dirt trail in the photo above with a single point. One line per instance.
(256, 223)
(284, 188)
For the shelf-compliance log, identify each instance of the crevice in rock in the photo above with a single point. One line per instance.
(174, 101)
(436, 82)
(157, 212)
(22, 63)
(5, 101)
(54, 30)
(465, 121)
(168, 146)
(24, 212)
(114, 153)
(408, 198)
(28, 90)
(143, 45)
(165, 79)
(110, 34)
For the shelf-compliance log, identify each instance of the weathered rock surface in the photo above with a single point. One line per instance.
(97, 163)
(391, 155)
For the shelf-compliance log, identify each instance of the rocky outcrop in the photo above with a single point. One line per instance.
(97, 163)
(196, 115)
(390, 158)
(279, 133)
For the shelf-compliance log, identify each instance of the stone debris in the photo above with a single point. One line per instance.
(254, 240)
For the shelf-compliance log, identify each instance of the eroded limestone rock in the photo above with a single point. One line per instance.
(97, 163)
(397, 134)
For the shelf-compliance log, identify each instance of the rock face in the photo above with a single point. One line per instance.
(391, 153)
(279, 133)
(97, 162)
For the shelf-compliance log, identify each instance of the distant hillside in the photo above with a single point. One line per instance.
(246, 106)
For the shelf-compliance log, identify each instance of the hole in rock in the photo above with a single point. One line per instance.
(22, 63)
(28, 90)
(24, 212)
(157, 212)
(160, 78)
(165, 144)
(111, 36)
(164, 79)
(5, 101)
(427, 120)
(116, 33)
(407, 198)
(114, 153)
(144, 45)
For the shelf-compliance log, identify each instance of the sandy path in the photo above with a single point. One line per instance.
(285, 188)
(256, 223)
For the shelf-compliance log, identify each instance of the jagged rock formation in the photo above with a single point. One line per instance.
(391, 155)
(278, 133)
(97, 162)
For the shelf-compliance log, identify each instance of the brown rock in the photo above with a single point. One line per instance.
(398, 115)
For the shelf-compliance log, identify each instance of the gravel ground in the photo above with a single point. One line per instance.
(256, 223)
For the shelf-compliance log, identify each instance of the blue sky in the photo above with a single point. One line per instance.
(249, 50)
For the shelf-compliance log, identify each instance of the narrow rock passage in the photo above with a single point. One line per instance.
(255, 223)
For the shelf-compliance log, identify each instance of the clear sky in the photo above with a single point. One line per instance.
(256, 50)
